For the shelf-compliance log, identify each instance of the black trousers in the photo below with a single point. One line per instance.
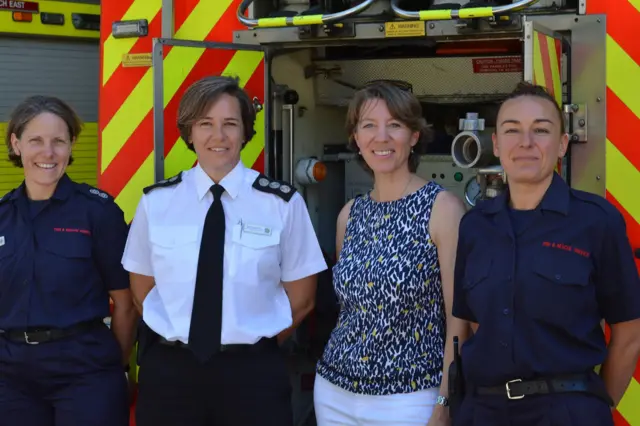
(232, 389)
(559, 409)
(75, 381)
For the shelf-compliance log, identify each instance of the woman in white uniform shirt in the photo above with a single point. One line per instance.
(214, 308)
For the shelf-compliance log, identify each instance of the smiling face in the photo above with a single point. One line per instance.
(384, 141)
(218, 136)
(529, 139)
(45, 148)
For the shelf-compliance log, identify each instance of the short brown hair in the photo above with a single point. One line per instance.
(29, 109)
(525, 88)
(199, 97)
(402, 105)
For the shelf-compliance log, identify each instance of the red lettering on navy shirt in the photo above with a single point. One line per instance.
(566, 247)
(73, 230)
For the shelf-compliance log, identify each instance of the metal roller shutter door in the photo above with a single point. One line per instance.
(68, 69)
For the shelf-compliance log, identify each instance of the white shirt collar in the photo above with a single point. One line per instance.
(232, 182)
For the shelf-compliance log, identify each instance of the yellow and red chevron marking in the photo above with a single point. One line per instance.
(547, 63)
(126, 97)
(123, 91)
(547, 67)
(190, 64)
(623, 151)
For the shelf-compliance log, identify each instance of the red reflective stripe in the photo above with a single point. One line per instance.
(546, 64)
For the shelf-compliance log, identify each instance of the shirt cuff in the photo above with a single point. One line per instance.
(136, 268)
(304, 271)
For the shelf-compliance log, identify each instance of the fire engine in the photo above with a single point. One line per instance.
(51, 47)
(301, 61)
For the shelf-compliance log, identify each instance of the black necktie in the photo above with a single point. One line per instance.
(206, 318)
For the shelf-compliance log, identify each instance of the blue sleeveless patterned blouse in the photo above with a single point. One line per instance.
(391, 330)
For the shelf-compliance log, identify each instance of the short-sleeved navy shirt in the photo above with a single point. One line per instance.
(539, 283)
(59, 258)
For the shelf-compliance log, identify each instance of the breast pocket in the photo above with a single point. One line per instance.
(477, 284)
(68, 259)
(560, 291)
(255, 258)
(174, 252)
(8, 248)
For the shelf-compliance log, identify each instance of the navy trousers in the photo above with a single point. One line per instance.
(69, 382)
(560, 409)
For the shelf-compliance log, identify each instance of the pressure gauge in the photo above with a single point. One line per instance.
(472, 191)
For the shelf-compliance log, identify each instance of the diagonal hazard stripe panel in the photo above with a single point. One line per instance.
(623, 180)
(636, 4)
(181, 11)
(140, 102)
(628, 406)
(115, 91)
(622, 26)
(633, 232)
(130, 195)
(622, 152)
(555, 64)
(202, 19)
(243, 64)
(619, 120)
(114, 49)
(623, 74)
(538, 70)
(547, 63)
(130, 157)
(127, 119)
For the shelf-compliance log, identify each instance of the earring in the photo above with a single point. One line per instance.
(412, 150)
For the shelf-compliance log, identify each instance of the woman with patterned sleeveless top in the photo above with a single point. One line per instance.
(384, 362)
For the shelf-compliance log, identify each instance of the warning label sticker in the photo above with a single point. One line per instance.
(491, 65)
(404, 29)
(136, 60)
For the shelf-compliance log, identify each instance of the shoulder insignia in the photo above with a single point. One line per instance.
(94, 193)
(270, 186)
(164, 183)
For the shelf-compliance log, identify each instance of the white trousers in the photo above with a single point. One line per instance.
(336, 406)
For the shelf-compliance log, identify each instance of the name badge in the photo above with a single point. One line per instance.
(256, 229)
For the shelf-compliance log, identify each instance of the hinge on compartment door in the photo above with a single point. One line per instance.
(575, 118)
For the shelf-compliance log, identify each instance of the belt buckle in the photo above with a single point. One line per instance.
(28, 341)
(509, 389)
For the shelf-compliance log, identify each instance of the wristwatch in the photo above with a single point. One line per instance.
(442, 400)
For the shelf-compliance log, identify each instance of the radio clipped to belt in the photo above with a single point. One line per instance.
(456, 380)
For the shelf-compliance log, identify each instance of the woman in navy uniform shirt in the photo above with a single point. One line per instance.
(60, 249)
(537, 270)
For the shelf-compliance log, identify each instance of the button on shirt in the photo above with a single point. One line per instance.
(60, 257)
(539, 282)
(267, 240)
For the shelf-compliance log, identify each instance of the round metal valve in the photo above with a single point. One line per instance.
(470, 150)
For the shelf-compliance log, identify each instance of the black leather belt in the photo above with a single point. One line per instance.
(262, 345)
(35, 336)
(518, 389)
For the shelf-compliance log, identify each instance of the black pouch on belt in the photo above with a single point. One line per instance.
(456, 381)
